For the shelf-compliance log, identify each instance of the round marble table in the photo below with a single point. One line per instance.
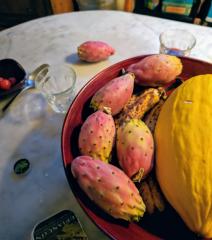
(30, 129)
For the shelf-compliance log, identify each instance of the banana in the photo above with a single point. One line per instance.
(151, 195)
(156, 195)
(137, 106)
(152, 116)
(146, 195)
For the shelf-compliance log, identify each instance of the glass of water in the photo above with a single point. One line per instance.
(57, 83)
(178, 42)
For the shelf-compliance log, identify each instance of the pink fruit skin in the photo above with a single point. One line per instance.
(115, 94)
(135, 148)
(156, 70)
(109, 187)
(97, 135)
(94, 51)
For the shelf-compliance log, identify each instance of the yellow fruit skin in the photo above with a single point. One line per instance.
(183, 138)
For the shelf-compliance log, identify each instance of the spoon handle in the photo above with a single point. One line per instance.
(9, 102)
(23, 83)
(18, 91)
(17, 88)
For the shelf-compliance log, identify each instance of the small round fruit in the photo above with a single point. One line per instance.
(5, 84)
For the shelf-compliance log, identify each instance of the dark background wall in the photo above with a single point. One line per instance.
(13, 12)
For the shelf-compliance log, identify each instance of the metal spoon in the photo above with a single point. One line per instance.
(27, 83)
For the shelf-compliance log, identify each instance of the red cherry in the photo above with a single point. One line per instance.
(5, 84)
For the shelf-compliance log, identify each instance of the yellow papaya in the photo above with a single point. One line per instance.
(183, 137)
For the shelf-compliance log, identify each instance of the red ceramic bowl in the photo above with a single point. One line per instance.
(166, 225)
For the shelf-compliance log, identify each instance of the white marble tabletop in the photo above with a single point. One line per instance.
(30, 129)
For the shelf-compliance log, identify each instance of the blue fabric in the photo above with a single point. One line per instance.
(209, 16)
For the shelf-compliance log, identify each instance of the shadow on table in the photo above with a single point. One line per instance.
(74, 59)
(27, 107)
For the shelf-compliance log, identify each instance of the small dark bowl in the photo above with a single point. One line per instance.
(11, 68)
(165, 225)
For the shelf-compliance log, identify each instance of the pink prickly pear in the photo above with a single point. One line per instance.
(94, 51)
(156, 70)
(109, 187)
(97, 135)
(115, 94)
(135, 149)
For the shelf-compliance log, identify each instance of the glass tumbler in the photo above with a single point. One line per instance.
(176, 42)
(56, 83)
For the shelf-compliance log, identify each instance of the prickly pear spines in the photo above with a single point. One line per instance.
(135, 149)
(115, 94)
(97, 135)
(109, 187)
(94, 51)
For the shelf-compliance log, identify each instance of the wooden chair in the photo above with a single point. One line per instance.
(62, 6)
(125, 5)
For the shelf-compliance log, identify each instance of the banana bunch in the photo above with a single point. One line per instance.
(138, 105)
(151, 117)
(152, 197)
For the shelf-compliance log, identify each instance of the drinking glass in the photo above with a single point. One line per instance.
(56, 83)
(178, 42)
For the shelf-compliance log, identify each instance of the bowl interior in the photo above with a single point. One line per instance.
(166, 225)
